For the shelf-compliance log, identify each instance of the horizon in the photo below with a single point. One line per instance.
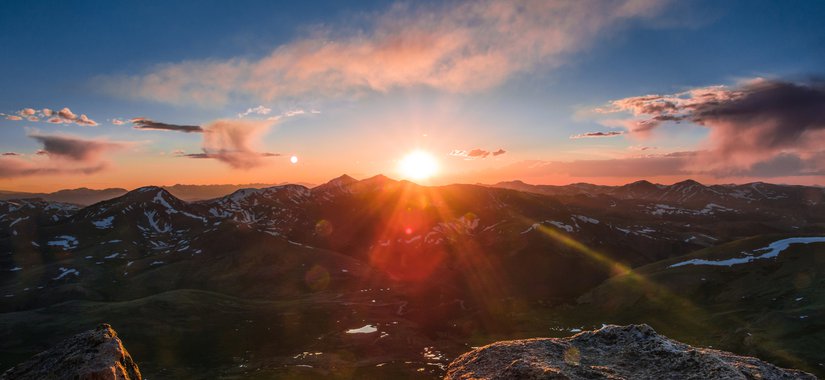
(314, 185)
(550, 93)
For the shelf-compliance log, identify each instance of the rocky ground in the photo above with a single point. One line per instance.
(92, 355)
(612, 352)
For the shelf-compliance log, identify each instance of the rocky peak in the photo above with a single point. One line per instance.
(612, 352)
(92, 355)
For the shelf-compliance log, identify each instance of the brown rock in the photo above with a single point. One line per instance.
(612, 352)
(92, 355)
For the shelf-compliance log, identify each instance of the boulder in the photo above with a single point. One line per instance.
(92, 355)
(612, 352)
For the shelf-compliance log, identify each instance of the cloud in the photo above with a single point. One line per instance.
(475, 153)
(118, 122)
(751, 123)
(597, 134)
(677, 164)
(234, 142)
(63, 155)
(259, 110)
(146, 124)
(641, 147)
(64, 116)
(12, 167)
(74, 148)
(453, 46)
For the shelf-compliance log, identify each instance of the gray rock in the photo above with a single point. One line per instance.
(92, 355)
(613, 352)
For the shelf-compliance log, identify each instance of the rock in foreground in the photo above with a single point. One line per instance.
(92, 355)
(613, 352)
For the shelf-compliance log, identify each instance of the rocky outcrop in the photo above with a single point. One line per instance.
(612, 352)
(92, 355)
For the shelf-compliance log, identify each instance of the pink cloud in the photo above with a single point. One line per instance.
(235, 142)
(64, 116)
(454, 46)
(64, 155)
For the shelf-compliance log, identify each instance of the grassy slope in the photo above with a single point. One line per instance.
(750, 308)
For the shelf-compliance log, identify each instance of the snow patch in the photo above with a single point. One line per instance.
(104, 223)
(64, 241)
(65, 272)
(363, 330)
(772, 250)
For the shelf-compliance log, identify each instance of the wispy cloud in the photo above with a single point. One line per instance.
(259, 110)
(677, 164)
(597, 135)
(146, 124)
(475, 153)
(454, 46)
(13, 167)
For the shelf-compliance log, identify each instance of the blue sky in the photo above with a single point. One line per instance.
(68, 54)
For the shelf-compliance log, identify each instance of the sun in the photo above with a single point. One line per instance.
(418, 165)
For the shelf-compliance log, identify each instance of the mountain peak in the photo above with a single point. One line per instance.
(146, 189)
(342, 180)
(687, 182)
(377, 179)
(641, 182)
(154, 194)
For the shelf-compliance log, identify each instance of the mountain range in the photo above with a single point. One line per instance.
(381, 278)
(84, 196)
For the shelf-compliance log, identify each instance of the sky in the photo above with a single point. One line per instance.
(134, 93)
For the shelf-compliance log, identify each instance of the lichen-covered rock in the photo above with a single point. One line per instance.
(92, 355)
(612, 352)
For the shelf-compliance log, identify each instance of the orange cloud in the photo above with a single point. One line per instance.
(455, 47)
